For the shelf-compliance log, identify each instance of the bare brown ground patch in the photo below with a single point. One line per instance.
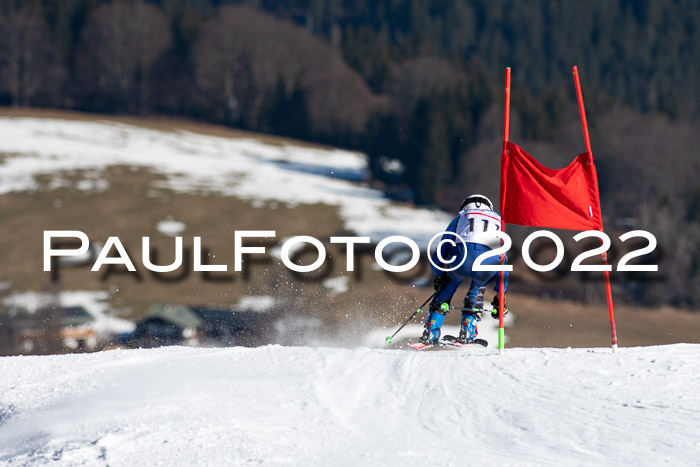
(130, 209)
(548, 323)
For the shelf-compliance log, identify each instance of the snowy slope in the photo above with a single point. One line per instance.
(261, 173)
(336, 407)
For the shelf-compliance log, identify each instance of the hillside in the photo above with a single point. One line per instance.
(321, 406)
(416, 86)
(162, 177)
(108, 178)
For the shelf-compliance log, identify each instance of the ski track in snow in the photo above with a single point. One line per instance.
(327, 406)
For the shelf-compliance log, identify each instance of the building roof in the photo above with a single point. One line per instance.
(76, 316)
(181, 316)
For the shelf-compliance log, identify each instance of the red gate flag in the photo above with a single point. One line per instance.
(537, 196)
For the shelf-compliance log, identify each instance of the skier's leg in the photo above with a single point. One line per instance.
(474, 300)
(470, 298)
(433, 323)
(495, 277)
(438, 309)
(484, 278)
(441, 302)
(468, 329)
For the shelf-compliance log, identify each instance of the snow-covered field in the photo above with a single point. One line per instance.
(350, 407)
(264, 174)
(94, 302)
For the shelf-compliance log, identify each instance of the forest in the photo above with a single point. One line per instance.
(416, 85)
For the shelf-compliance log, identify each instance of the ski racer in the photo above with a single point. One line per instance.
(475, 224)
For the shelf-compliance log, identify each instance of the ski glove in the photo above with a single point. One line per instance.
(441, 281)
(495, 305)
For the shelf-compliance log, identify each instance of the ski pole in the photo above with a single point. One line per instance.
(389, 339)
(473, 310)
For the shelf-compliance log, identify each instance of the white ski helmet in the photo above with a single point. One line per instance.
(476, 201)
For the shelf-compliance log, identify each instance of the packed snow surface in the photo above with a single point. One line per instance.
(348, 407)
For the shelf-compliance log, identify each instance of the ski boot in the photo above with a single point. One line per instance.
(436, 316)
(495, 304)
(468, 329)
(471, 314)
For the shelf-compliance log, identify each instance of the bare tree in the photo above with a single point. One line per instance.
(650, 154)
(340, 101)
(118, 48)
(223, 58)
(28, 63)
(243, 53)
(416, 78)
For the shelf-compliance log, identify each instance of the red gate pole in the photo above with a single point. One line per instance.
(501, 293)
(608, 290)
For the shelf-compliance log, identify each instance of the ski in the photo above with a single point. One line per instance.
(422, 346)
(449, 341)
(452, 340)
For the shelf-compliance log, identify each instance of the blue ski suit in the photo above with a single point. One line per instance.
(473, 226)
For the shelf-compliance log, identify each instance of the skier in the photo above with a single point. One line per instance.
(475, 223)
